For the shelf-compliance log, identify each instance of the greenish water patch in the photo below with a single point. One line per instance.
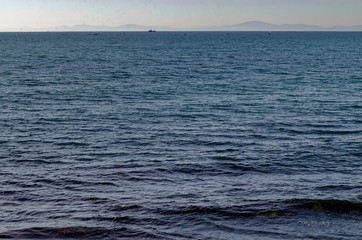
(267, 214)
(329, 205)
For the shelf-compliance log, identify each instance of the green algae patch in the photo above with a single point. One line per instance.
(267, 214)
(333, 205)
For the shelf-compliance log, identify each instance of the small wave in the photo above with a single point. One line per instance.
(127, 220)
(8, 192)
(26, 67)
(337, 132)
(240, 167)
(321, 131)
(255, 233)
(121, 75)
(37, 161)
(235, 211)
(270, 209)
(356, 106)
(323, 125)
(118, 219)
(196, 169)
(72, 143)
(95, 199)
(328, 205)
(72, 182)
(225, 158)
(226, 150)
(337, 187)
(88, 233)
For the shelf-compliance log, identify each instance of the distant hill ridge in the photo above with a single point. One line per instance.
(264, 26)
(246, 26)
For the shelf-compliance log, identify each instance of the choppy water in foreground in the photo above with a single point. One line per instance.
(181, 135)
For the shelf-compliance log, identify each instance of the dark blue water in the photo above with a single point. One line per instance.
(181, 135)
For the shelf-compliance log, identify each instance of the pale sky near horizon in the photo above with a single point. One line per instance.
(177, 13)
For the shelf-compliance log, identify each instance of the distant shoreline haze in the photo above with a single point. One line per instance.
(246, 26)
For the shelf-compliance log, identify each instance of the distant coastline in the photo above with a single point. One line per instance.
(246, 26)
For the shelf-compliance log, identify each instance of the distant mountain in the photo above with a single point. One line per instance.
(128, 27)
(345, 28)
(252, 25)
(246, 26)
(264, 26)
(299, 27)
(91, 28)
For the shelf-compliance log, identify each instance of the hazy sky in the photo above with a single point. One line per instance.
(182, 13)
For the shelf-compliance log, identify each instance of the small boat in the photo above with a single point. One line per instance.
(151, 30)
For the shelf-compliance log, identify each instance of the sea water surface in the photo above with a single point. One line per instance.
(173, 135)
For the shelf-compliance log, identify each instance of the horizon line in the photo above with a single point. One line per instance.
(248, 26)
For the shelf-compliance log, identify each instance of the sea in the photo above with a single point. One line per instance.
(181, 135)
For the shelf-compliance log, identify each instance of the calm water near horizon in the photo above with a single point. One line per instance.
(173, 135)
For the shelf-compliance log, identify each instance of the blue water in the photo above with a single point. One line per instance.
(195, 135)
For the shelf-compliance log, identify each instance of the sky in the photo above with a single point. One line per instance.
(177, 13)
